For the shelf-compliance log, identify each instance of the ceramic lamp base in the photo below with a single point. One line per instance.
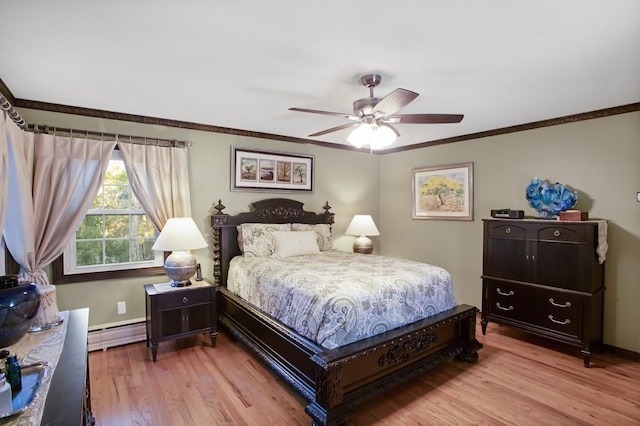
(180, 266)
(363, 245)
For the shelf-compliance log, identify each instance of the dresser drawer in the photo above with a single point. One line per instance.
(184, 298)
(570, 234)
(506, 230)
(553, 310)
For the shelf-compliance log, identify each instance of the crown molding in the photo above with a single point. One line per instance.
(91, 112)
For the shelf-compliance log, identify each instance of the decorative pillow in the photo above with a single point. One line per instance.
(257, 240)
(294, 243)
(240, 239)
(322, 230)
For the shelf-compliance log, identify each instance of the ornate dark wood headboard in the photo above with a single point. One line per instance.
(271, 210)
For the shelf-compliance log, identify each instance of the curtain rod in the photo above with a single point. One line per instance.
(45, 128)
(5, 105)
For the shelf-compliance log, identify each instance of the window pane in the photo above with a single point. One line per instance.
(141, 249)
(142, 226)
(117, 226)
(135, 204)
(116, 197)
(89, 253)
(116, 173)
(91, 227)
(116, 251)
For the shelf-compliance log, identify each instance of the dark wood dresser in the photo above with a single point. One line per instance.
(68, 399)
(544, 277)
(180, 312)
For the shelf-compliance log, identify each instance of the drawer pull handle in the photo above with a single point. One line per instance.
(565, 322)
(511, 293)
(185, 300)
(566, 305)
(556, 233)
(508, 230)
(510, 308)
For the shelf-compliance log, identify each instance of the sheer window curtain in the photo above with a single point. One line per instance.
(52, 182)
(159, 177)
(4, 167)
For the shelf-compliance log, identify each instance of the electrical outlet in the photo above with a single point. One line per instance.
(638, 196)
(122, 308)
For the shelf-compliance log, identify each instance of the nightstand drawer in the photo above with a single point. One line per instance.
(185, 298)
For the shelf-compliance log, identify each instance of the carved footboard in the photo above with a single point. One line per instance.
(352, 374)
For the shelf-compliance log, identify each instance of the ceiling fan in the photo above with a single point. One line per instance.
(374, 117)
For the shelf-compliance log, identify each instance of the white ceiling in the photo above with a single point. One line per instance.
(242, 64)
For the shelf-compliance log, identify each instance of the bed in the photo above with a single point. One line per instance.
(332, 377)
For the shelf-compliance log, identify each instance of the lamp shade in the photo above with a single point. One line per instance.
(180, 233)
(362, 224)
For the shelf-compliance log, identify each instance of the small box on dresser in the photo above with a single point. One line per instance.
(573, 215)
(545, 277)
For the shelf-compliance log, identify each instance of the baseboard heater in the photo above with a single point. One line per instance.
(117, 334)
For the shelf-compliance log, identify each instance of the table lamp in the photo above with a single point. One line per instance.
(363, 226)
(180, 235)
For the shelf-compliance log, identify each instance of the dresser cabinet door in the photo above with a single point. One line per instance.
(506, 251)
(559, 253)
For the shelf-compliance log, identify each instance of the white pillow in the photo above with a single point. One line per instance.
(294, 243)
(322, 230)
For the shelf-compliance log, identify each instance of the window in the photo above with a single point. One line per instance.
(115, 236)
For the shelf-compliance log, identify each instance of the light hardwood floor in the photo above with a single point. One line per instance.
(519, 380)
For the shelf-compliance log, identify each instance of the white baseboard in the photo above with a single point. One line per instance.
(116, 334)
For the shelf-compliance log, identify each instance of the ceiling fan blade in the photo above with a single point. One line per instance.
(424, 118)
(395, 100)
(334, 129)
(335, 114)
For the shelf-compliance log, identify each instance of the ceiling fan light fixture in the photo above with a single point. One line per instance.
(383, 137)
(361, 135)
(377, 137)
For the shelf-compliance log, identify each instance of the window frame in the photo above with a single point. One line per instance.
(121, 270)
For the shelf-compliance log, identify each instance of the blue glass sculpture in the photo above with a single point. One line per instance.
(549, 199)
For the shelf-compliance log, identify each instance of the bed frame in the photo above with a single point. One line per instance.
(333, 381)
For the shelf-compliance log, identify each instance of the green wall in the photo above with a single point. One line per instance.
(347, 180)
(598, 157)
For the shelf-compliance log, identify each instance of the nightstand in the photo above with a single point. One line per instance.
(177, 312)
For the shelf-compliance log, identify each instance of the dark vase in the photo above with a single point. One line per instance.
(18, 306)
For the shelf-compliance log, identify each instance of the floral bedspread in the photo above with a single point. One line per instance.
(335, 298)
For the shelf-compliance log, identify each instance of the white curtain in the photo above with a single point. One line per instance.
(159, 177)
(4, 166)
(52, 182)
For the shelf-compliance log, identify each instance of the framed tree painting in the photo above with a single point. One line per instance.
(443, 192)
(253, 170)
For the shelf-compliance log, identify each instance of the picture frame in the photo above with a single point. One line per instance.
(443, 192)
(264, 171)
